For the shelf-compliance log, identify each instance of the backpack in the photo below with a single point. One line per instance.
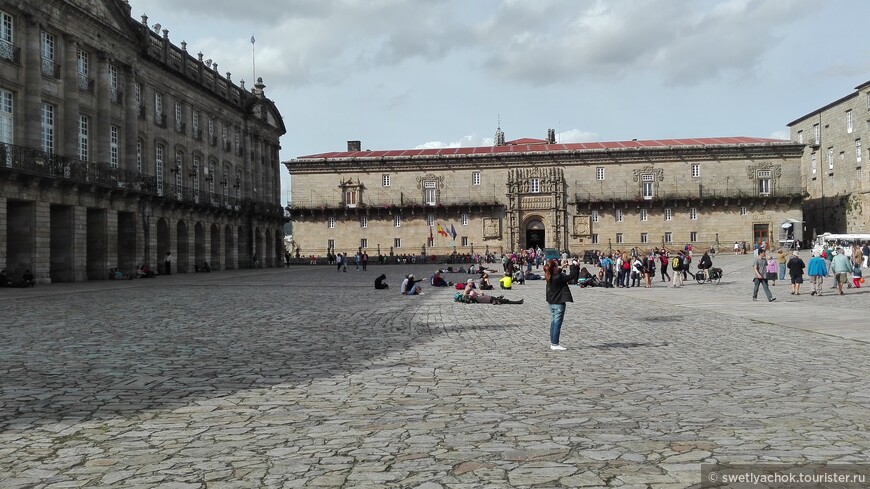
(626, 265)
(676, 263)
(457, 297)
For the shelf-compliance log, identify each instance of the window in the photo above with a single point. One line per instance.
(114, 94)
(696, 170)
(668, 215)
(669, 238)
(194, 123)
(817, 134)
(463, 219)
(139, 150)
(7, 119)
(179, 171)
(330, 244)
(849, 121)
(83, 138)
(763, 182)
(238, 184)
(647, 186)
(594, 239)
(534, 185)
(594, 216)
(158, 167)
(6, 39)
(429, 194)
(364, 222)
(113, 146)
(211, 174)
(644, 215)
(210, 128)
(137, 93)
(463, 241)
(397, 242)
(385, 180)
(743, 211)
(619, 239)
(237, 141)
(644, 238)
(475, 178)
(330, 222)
(830, 158)
(813, 163)
(46, 52)
(693, 214)
(179, 117)
(196, 163)
(693, 236)
(397, 221)
(599, 173)
(158, 106)
(430, 220)
(350, 197)
(858, 150)
(47, 136)
(859, 173)
(363, 243)
(800, 137)
(82, 62)
(619, 215)
(224, 137)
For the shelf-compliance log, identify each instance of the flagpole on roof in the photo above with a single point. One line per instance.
(254, 57)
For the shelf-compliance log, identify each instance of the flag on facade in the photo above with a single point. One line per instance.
(453, 231)
(441, 231)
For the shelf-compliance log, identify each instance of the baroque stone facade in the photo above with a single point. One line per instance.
(117, 146)
(533, 192)
(832, 165)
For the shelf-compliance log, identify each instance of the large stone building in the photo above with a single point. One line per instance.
(119, 146)
(533, 192)
(836, 137)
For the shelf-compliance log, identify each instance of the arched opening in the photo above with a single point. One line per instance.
(163, 242)
(229, 249)
(183, 241)
(198, 244)
(535, 233)
(269, 255)
(215, 247)
(244, 254)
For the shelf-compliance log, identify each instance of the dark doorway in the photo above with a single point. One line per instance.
(534, 238)
(761, 232)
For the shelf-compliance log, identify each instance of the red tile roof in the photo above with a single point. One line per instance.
(528, 145)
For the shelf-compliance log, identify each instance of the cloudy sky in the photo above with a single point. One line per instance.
(436, 73)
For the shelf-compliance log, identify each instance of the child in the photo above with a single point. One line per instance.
(856, 275)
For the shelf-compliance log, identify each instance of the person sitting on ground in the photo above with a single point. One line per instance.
(530, 275)
(584, 278)
(519, 277)
(116, 274)
(145, 272)
(484, 282)
(411, 286)
(506, 281)
(438, 280)
(4, 280)
(205, 267)
(379, 282)
(471, 295)
(28, 278)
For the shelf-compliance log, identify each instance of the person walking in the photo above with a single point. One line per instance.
(772, 270)
(663, 259)
(167, 263)
(760, 269)
(841, 265)
(677, 267)
(339, 260)
(365, 261)
(796, 272)
(558, 294)
(817, 269)
(781, 259)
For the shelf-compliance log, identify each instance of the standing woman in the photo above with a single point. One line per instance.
(558, 294)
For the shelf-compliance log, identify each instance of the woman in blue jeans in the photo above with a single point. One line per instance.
(558, 294)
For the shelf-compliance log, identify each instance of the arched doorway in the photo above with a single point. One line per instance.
(198, 245)
(269, 255)
(229, 249)
(535, 233)
(183, 242)
(163, 242)
(215, 247)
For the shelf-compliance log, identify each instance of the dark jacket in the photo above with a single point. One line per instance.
(706, 262)
(558, 291)
(795, 267)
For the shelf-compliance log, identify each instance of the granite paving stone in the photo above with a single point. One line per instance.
(296, 377)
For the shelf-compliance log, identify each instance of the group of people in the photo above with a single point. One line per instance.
(27, 279)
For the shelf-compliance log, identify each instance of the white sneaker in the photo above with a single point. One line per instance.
(557, 347)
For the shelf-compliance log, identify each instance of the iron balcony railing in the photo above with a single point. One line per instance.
(50, 68)
(660, 194)
(41, 164)
(10, 52)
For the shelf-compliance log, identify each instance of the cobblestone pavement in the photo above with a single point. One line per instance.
(305, 377)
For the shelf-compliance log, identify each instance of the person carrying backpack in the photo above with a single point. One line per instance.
(677, 266)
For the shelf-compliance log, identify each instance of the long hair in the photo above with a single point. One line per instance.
(550, 269)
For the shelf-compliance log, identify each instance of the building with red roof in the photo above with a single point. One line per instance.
(541, 193)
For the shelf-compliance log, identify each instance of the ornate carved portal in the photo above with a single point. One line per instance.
(537, 208)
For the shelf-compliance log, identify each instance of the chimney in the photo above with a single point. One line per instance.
(551, 136)
(354, 146)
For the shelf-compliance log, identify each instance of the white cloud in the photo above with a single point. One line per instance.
(575, 136)
(782, 134)
(469, 141)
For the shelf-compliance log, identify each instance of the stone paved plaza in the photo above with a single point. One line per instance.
(305, 377)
